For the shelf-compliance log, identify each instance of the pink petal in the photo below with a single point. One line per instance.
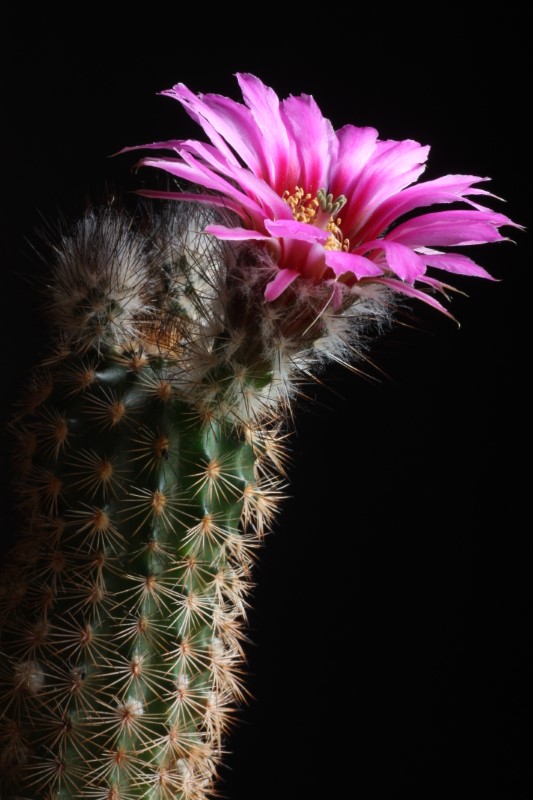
(356, 146)
(447, 189)
(170, 144)
(450, 228)
(199, 173)
(301, 231)
(457, 265)
(315, 141)
(223, 120)
(410, 291)
(393, 166)
(399, 164)
(271, 202)
(195, 172)
(206, 153)
(407, 264)
(234, 234)
(278, 285)
(441, 287)
(341, 263)
(254, 186)
(264, 105)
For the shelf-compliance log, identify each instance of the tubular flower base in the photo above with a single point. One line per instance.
(151, 444)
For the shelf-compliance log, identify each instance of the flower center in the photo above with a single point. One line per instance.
(319, 211)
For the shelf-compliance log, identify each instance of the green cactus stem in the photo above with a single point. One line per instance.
(150, 452)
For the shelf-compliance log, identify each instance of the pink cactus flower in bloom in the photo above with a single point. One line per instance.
(328, 204)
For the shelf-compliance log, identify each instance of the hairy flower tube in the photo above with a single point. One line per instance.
(334, 207)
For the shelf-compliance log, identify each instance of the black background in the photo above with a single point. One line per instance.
(390, 622)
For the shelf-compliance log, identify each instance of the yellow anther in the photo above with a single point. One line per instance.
(303, 205)
(336, 240)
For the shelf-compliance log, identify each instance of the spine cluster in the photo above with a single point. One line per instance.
(150, 453)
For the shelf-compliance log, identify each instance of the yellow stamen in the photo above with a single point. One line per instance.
(304, 206)
(336, 239)
(311, 210)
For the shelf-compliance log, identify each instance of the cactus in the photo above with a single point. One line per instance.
(150, 457)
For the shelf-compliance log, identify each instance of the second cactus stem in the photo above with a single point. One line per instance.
(150, 454)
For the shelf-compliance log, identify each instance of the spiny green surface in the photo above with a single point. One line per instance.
(123, 600)
(149, 454)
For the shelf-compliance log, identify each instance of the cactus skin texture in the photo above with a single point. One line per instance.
(150, 451)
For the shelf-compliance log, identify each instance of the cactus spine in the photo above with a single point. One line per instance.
(150, 454)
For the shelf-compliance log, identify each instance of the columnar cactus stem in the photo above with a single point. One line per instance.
(150, 453)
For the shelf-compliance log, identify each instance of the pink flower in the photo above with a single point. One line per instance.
(328, 204)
